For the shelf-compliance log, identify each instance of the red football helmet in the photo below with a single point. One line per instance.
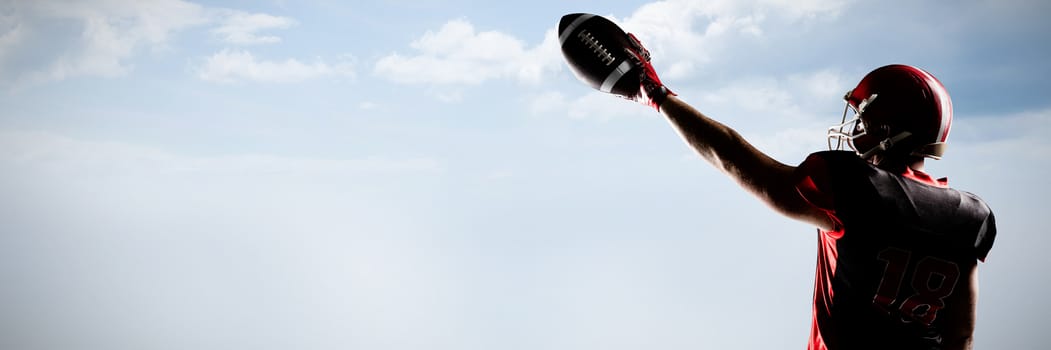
(898, 109)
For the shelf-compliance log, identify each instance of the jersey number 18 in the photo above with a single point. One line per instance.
(933, 280)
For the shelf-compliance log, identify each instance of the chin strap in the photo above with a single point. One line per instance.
(885, 144)
(932, 151)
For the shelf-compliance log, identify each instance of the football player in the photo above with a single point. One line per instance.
(898, 250)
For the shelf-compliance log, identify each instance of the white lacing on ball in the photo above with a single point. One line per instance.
(595, 46)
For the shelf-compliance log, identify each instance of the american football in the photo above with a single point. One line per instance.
(597, 52)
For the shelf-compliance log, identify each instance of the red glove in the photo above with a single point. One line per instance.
(651, 91)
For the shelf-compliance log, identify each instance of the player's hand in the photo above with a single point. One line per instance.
(651, 91)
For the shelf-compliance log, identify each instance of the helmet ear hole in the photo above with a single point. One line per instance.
(883, 130)
(875, 130)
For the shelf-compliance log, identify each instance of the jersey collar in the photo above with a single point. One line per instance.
(924, 178)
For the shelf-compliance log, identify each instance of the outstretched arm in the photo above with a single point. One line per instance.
(769, 180)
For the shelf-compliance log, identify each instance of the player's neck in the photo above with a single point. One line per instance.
(898, 164)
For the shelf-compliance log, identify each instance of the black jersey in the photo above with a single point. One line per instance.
(902, 246)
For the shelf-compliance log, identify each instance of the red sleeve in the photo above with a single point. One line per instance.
(812, 182)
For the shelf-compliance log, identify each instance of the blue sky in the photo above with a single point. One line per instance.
(429, 175)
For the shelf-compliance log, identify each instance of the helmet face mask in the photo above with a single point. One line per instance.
(898, 110)
(852, 132)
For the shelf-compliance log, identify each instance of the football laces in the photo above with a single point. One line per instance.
(596, 47)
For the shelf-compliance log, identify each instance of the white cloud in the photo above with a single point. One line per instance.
(112, 33)
(767, 104)
(239, 65)
(11, 34)
(684, 35)
(785, 117)
(803, 10)
(106, 37)
(457, 54)
(758, 95)
(797, 97)
(687, 37)
(592, 106)
(242, 28)
(824, 85)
